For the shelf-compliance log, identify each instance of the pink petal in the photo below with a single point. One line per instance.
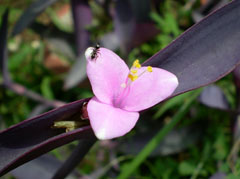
(109, 122)
(106, 74)
(150, 89)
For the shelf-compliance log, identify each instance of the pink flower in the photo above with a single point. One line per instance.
(121, 93)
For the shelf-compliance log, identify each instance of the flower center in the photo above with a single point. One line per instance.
(132, 76)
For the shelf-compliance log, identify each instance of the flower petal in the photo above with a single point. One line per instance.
(149, 89)
(109, 122)
(106, 74)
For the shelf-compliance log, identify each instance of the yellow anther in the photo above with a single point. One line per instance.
(134, 71)
(149, 69)
(136, 64)
(132, 77)
(135, 77)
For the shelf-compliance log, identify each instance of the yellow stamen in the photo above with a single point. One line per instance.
(149, 69)
(136, 64)
(132, 77)
(134, 71)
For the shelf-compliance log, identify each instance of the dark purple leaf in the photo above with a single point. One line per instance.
(124, 24)
(141, 10)
(212, 96)
(3, 47)
(61, 46)
(31, 138)
(157, 4)
(77, 73)
(132, 24)
(176, 141)
(2, 125)
(143, 32)
(39, 109)
(218, 175)
(236, 75)
(204, 53)
(110, 41)
(207, 8)
(30, 14)
(39, 168)
(82, 17)
(236, 121)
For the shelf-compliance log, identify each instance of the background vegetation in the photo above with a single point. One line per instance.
(204, 144)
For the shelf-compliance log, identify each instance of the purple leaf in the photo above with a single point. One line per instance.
(82, 17)
(3, 47)
(212, 96)
(124, 24)
(236, 75)
(143, 32)
(176, 141)
(110, 41)
(31, 138)
(41, 167)
(39, 109)
(208, 7)
(132, 24)
(61, 46)
(202, 55)
(30, 14)
(218, 175)
(141, 10)
(77, 73)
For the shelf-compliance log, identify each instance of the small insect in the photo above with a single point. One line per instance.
(95, 52)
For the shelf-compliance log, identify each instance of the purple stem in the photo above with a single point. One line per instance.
(21, 90)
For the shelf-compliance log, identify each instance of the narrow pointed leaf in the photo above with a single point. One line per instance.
(31, 138)
(30, 14)
(204, 53)
(124, 24)
(3, 47)
(82, 17)
(39, 168)
(213, 96)
(77, 73)
(174, 142)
